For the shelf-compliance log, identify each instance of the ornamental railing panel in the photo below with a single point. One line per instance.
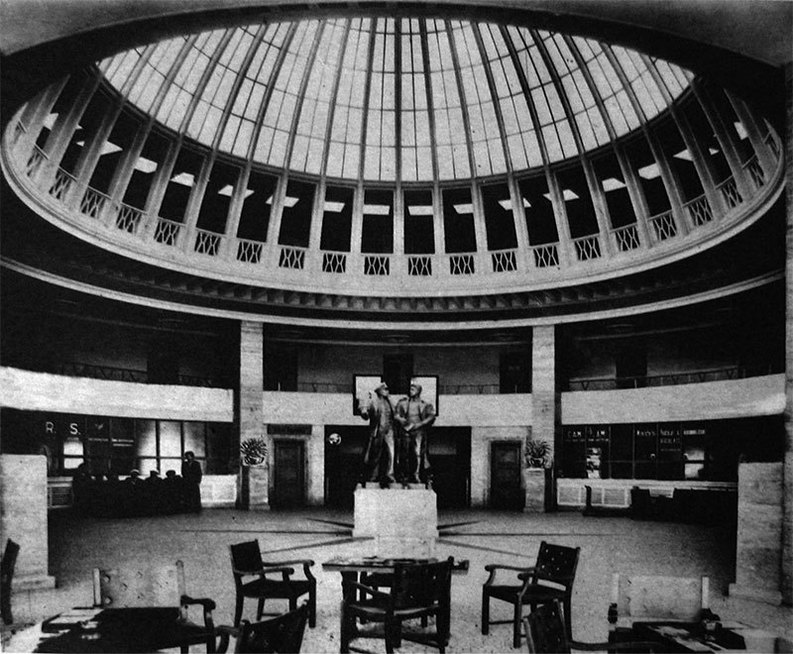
(626, 237)
(128, 218)
(664, 226)
(419, 265)
(60, 186)
(461, 264)
(207, 242)
(546, 256)
(93, 203)
(167, 231)
(773, 146)
(587, 247)
(756, 172)
(334, 262)
(504, 260)
(377, 265)
(292, 257)
(249, 251)
(699, 210)
(729, 191)
(35, 160)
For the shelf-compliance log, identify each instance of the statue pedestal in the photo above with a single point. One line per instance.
(402, 521)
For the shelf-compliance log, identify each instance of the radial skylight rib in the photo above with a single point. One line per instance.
(463, 102)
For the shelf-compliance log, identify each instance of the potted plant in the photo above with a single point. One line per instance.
(538, 459)
(253, 479)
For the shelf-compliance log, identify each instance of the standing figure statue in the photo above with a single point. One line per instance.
(416, 416)
(378, 458)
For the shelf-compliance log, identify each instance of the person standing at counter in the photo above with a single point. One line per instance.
(191, 475)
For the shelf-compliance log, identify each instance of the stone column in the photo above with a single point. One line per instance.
(787, 470)
(253, 481)
(23, 519)
(546, 401)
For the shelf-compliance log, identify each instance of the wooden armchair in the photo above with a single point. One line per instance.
(652, 598)
(157, 586)
(246, 562)
(546, 633)
(418, 591)
(7, 566)
(282, 634)
(551, 578)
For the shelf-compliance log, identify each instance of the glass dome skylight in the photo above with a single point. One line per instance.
(387, 99)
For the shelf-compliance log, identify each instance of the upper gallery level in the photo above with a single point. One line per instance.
(393, 156)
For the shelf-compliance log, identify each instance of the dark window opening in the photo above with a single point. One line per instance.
(378, 222)
(120, 141)
(578, 203)
(680, 160)
(615, 190)
(183, 179)
(256, 207)
(419, 223)
(217, 198)
(649, 175)
(538, 208)
(296, 216)
(458, 220)
(499, 219)
(337, 219)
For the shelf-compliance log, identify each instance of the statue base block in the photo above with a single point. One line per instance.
(402, 521)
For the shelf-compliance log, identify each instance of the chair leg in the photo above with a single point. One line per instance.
(517, 622)
(184, 649)
(485, 613)
(238, 610)
(312, 608)
(211, 644)
(568, 620)
(344, 633)
(260, 609)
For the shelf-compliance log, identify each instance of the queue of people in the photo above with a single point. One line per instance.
(108, 496)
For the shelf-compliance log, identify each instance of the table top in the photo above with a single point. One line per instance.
(379, 564)
(99, 630)
(726, 636)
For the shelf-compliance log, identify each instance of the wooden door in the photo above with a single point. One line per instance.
(505, 490)
(288, 474)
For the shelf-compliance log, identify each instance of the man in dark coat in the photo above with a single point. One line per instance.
(378, 458)
(191, 474)
(415, 416)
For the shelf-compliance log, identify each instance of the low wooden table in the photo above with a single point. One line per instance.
(692, 637)
(351, 568)
(100, 630)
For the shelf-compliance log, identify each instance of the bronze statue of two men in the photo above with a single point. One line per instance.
(397, 447)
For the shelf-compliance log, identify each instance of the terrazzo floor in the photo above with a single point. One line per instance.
(608, 545)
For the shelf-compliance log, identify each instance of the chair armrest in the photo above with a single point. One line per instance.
(708, 616)
(497, 566)
(262, 571)
(225, 632)
(347, 585)
(634, 646)
(208, 604)
(527, 573)
(306, 563)
(493, 567)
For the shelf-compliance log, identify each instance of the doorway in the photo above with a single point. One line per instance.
(288, 474)
(505, 489)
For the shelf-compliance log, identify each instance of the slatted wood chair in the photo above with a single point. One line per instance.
(546, 633)
(157, 586)
(418, 591)
(7, 566)
(282, 634)
(551, 578)
(263, 580)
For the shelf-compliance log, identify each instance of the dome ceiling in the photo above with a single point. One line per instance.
(396, 99)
